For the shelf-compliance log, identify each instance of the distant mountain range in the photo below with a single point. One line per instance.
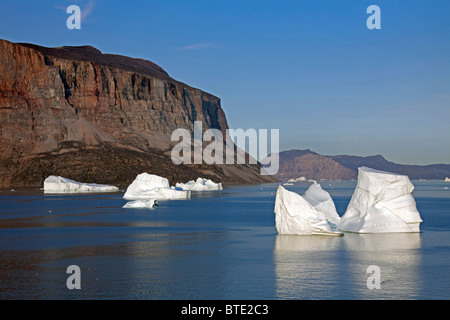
(311, 165)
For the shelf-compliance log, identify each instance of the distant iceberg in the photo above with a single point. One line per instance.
(141, 204)
(312, 214)
(297, 180)
(381, 203)
(447, 179)
(149, 186)
(201, 184)
(56, 184)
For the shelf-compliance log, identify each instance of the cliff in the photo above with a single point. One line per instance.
(93, 117)
(311, 165)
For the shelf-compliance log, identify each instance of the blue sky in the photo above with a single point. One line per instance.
(309, 68)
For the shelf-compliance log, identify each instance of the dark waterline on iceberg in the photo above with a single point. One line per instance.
(217, 245)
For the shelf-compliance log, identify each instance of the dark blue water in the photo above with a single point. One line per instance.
(218, 245)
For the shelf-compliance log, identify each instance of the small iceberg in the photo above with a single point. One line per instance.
(141, 204)
(56, 184)
(297, 180)
(308, 215)
(381, 203)
(447, 179)
(149, 186)
(201, 184)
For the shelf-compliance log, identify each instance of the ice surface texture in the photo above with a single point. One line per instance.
(294, 214)
(200, 184)
(381, 203)
(149, 186)
(322, 202)
(56, 184)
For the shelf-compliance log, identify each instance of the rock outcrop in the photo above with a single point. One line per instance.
(93, 117)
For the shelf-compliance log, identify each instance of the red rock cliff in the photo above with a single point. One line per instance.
(94, 117)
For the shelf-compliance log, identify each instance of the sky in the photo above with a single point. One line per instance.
(311, 69)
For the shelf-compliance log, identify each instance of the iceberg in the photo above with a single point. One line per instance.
(297, 180)
(57, 184)
(142, 204)
(381, 203)
(447, 179)
(149, 186)
(201, 184)
(296, 215)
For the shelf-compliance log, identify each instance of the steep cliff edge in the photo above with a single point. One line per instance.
(93, 117)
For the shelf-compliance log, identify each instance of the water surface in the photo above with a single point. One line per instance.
(217, 245)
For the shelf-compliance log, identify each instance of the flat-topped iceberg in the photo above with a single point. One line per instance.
(382, 202)
(141, 204)
(201, 184)
(296, 215)
(149, 186)
(57, 184)
(297, 180)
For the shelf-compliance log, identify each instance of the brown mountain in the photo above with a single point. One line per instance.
(306, 163)
(94, 117)
(311, 165)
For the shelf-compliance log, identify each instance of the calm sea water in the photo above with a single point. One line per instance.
(217, 245)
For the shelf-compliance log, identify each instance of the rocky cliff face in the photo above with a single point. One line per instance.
(92, 117)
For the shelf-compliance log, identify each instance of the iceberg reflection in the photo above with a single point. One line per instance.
(321, 267)
(399, 260)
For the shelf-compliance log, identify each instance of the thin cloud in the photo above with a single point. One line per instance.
(86, 9)
(197, 46)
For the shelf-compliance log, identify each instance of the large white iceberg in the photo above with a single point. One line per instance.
(382, 202)
(57, 184)
(296, 215)
(141, 204)
(201, 184)
(149, 186)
